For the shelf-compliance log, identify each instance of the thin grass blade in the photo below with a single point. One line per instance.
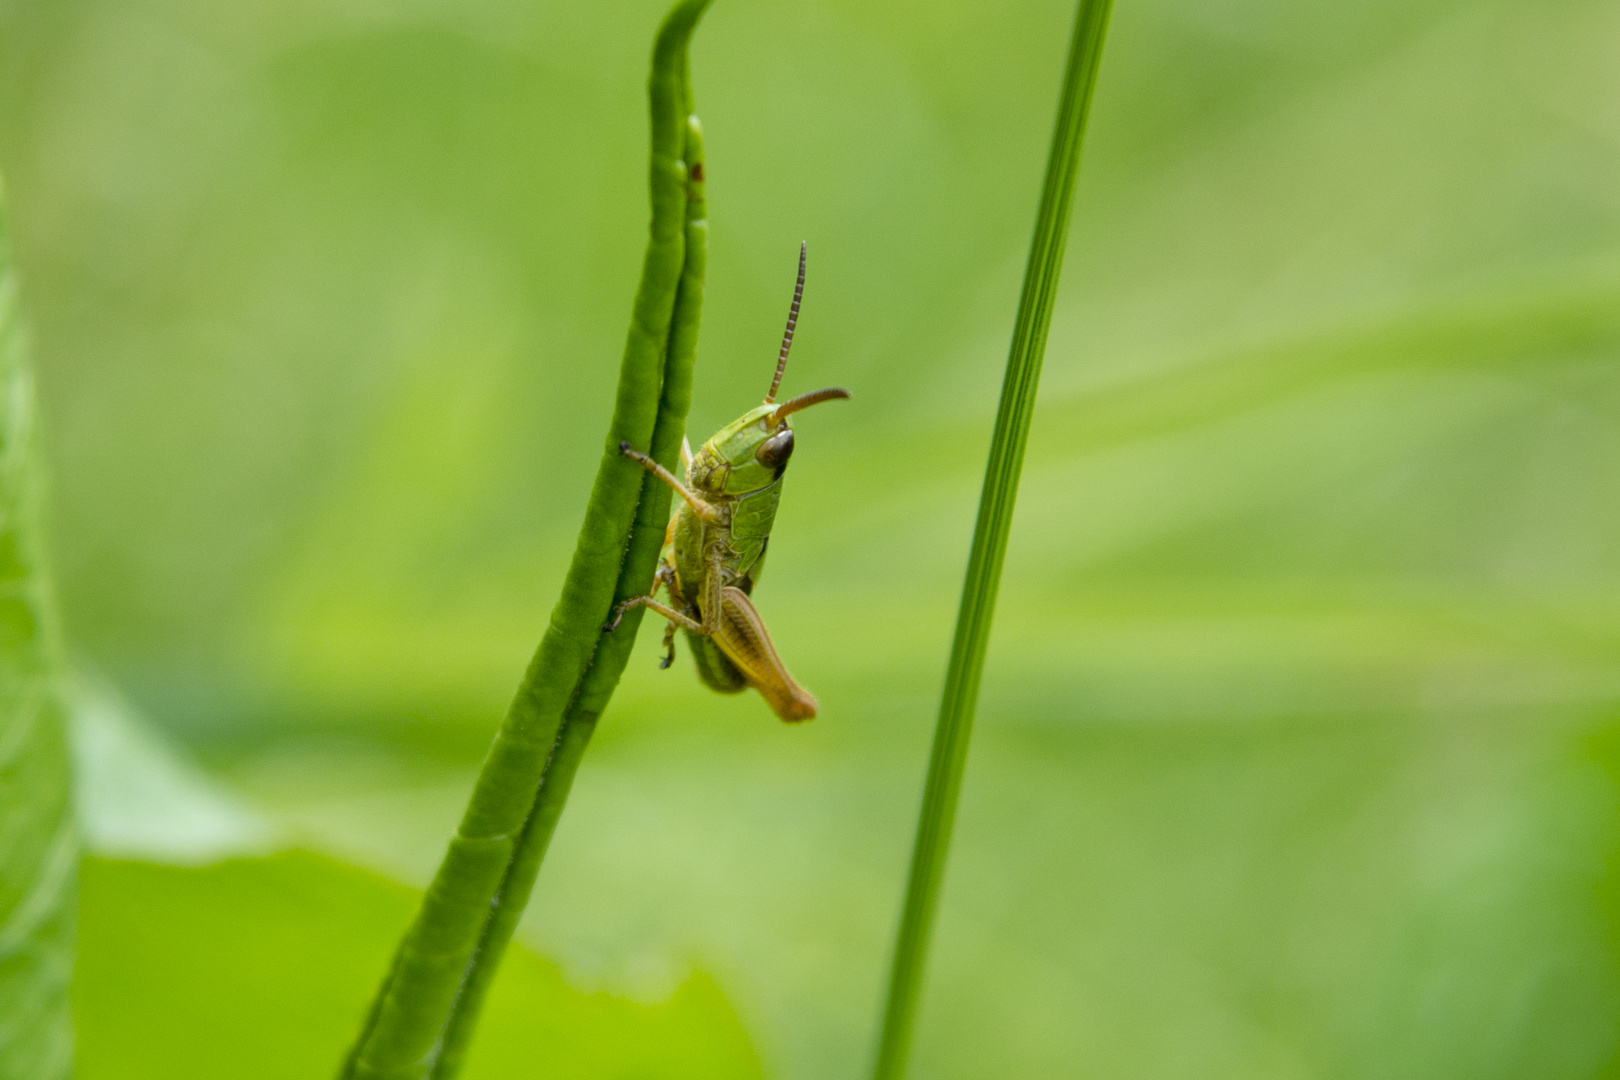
(1000, 492)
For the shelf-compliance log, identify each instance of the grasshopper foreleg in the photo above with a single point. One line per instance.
(700, 506)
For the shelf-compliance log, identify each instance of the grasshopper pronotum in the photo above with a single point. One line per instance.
(715, 547)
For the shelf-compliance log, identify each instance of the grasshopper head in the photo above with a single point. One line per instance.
(753, 450)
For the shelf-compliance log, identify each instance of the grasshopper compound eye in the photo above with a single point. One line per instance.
(774, 452)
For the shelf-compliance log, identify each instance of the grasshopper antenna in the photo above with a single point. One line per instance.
(804, 401)
(787, 335)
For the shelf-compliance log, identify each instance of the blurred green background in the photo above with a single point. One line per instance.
(1299, 750)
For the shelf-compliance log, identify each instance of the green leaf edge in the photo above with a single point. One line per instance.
(38, 833)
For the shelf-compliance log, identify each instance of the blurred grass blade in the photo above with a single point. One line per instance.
(996, 501)
(422, 1019)
(38, 842)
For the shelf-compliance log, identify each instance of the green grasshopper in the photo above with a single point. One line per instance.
(714, 549)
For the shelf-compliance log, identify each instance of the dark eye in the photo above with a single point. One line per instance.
(774, 452)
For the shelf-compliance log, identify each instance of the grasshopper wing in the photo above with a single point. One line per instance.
(744, 640)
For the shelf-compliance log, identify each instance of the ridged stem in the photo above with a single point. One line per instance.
(422, 1018)
(579, 722)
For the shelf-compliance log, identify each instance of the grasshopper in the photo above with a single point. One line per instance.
(714, 548)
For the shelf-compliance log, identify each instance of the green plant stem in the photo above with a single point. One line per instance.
(421, 1019)
(646, 542)
(1000, 492)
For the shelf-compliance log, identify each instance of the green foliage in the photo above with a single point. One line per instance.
(255, 968)
(1283, 762)
(38, 845)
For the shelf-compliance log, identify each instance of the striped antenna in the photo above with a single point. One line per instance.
(787, 335)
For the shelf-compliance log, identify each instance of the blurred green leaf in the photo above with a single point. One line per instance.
(260, 968)
(38, 841)
(1310, 613)
(138, 797)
